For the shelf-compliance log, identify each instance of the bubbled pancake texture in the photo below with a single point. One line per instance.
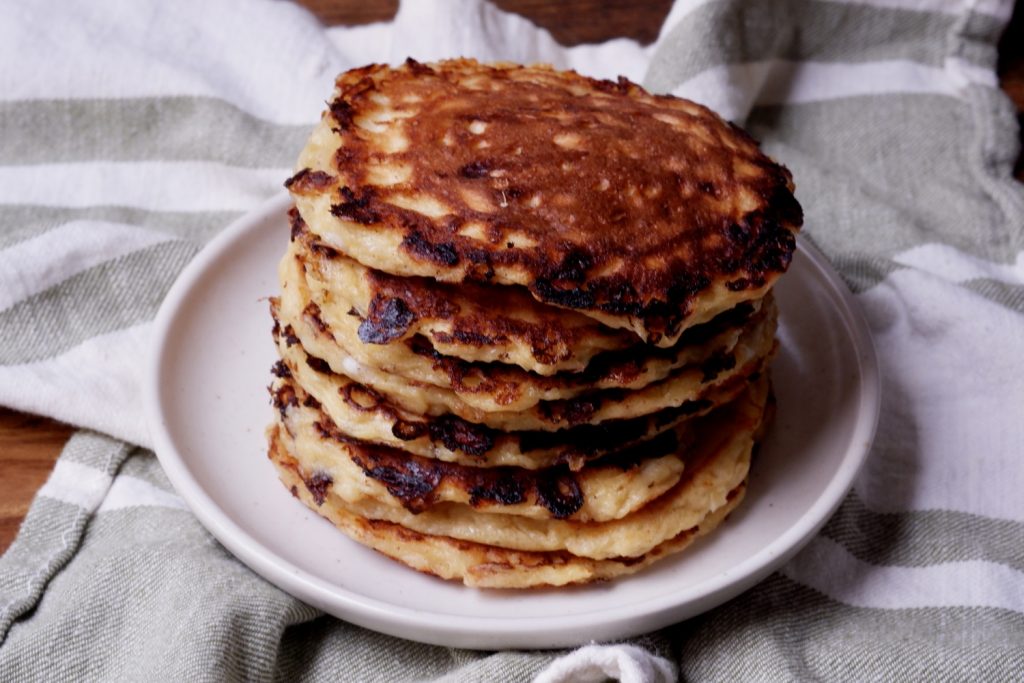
(646, 212)
(525, 321)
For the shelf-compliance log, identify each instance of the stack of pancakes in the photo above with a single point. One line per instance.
(525, 320)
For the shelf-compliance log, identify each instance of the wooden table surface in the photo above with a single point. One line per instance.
(29, 445)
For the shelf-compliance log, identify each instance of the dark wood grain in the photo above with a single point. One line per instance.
(571, 22)
(30, 445)
(1011, 71)
(351, 12)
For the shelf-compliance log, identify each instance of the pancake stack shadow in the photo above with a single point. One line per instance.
(525, 320)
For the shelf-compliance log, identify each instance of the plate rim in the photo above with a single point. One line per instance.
(475, 631)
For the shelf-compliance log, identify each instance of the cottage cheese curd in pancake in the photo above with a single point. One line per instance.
(645, 212)
(525, 320)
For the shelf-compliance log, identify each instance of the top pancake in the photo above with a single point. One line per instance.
(645, 212)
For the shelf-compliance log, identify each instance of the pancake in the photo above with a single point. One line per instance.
(332, 335)
(607, 489)
(645, 212)
(367, 416)
(688, 385)
(469, 321)
(717, 463)
(476, 564)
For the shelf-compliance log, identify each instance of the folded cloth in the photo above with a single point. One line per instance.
(134, 131)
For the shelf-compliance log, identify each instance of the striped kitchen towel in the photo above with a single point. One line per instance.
(131, 132)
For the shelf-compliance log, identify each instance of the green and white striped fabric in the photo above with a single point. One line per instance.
(131, 132)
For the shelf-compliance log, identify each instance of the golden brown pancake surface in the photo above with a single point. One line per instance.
(646, 212)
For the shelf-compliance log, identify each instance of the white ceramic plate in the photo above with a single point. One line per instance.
(208, 406)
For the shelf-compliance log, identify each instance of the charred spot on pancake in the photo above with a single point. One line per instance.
(503, 489)
(630, 561)
(362, 398)
(298, 226)
(425, 301)
(313, 315)
(321, 249)
(570, 298)
(422, 347)
(463, 337)
(442, 253)
(411, 482)
(572, 411)
(356, 208)
(279, 369)
(413, 479)
(475, 169)
(469, 337)
(345, 156)
(310, 402)
(559, 492)
(308, 181)
(549, 351)
(621, 85)
(283, 397)
(716, 364)
(622, 297)
(573, 268)
(585, 439)
(465, 376)
(289, 336)
(481, 269)
(328, 430)
(388, 319)
(562, 284)
(459, 435)
(318, 364)
(622, 368)
(342, 112)
(418, 68)
(294, 491)
(685, 287)
(407, 431)
(319, 484)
